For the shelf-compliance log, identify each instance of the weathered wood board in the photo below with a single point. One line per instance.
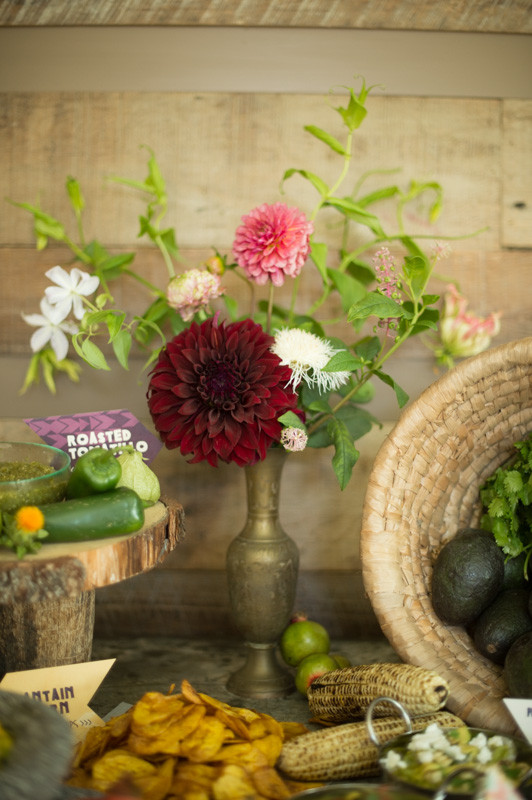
(504, 16)
(517, 174)
(223, 154)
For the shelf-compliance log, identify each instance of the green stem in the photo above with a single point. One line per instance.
(166, 256)
(144, 282)
(270, 307)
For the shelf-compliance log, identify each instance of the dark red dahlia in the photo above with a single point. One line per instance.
(217, 390)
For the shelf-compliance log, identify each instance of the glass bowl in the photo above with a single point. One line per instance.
(47, 488)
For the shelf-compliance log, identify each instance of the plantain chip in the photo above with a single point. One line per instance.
(292, 729)
(117, 764)
(200, 775)
(270, 746)
(187, 747)
(269, 783)
(245, 754)
(205, 741)
(157, 786)
(233, 784)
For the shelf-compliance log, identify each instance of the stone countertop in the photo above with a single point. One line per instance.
(154, 664)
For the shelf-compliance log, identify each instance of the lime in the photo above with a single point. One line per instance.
(312, 667)
(341, 660)
(301, 639)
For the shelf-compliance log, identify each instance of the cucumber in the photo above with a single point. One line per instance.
(97, 516)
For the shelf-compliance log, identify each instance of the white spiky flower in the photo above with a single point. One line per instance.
(307, 354)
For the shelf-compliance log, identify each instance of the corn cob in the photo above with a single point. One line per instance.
(346, 751)
(344, 694)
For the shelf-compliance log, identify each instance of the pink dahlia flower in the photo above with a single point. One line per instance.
(217, 390)
(272, 243)
(193, 291)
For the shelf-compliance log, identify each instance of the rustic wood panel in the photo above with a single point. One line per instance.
(504, 16)
(195, 603)
(492, 281)
(325, 523)
(517, 174)
(223, 154)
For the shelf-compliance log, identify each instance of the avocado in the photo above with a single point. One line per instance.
(514, 572)
(501, 623)
(518, 667)
(467, 575)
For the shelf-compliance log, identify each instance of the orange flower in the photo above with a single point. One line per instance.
(29, 519)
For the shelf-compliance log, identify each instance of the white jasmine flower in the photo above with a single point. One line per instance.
(294, 439)
(51, 327)
(307, 354)
(70, 289)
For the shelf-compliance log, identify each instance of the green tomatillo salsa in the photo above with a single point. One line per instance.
(22, 470)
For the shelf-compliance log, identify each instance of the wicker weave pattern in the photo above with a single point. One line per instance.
(424, 486)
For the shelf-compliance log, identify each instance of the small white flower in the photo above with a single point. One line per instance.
(307, 354)
(294, 439)
(51, 327)
(70, 289)
(393, 761)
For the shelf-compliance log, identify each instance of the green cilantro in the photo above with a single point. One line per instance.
(507, 503)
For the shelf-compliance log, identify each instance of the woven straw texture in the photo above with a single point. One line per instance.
(423, 488)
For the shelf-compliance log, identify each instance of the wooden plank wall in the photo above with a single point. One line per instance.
(222, 155)
(503, 16)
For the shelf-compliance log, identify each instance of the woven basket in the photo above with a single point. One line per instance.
(424, 486)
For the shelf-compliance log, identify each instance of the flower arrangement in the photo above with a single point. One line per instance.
(226, 384)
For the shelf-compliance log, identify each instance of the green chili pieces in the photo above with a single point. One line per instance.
(95, 471)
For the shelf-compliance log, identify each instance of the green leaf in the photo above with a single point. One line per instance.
(368, 348)
(351, 291)
(168, 238)
(52, 230)
(513, 481)
(345, 453)
(416, 270)
(92, 354)
(329, 140)
(77, 200)
(48, 374)
(32, 373)
(357, 268)
(155, 178)
(114, 324)
(376, 305)
(377, 195)
(401, 395)
(320, 406)
(428, 319)
(291, 420)
(358, 214)
(355, 112)
(232, 307)
(318, 254)
(115, 265)
(317, 182)
(121, 347)
(343, 361)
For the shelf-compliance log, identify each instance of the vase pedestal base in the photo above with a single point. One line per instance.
(261, 676)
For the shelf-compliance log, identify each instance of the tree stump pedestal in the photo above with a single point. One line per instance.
(47, 600)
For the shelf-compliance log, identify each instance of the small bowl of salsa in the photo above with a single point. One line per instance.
(31, 474)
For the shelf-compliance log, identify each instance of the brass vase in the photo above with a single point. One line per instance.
(262, 568)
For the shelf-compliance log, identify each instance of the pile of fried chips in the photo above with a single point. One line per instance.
(188, 746)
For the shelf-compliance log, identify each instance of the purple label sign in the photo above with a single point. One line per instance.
(77, 433)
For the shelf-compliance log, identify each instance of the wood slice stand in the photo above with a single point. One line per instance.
(47, 600)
